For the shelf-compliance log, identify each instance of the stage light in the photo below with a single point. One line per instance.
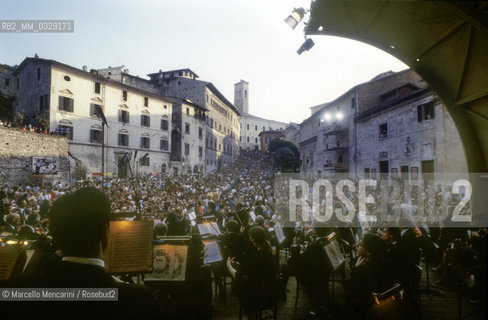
(307, 45)
(295, 17)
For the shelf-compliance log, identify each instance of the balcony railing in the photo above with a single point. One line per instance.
(335, 129)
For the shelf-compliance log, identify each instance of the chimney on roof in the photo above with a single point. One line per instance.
(85, 68)
(36, 56)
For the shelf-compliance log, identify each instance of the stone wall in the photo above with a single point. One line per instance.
(19, 150)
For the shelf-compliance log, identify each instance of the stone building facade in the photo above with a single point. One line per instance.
(27, 157)
(251, 126)
(265, 138)
(409, 135)
(223, 118)
(68, 97)
(8, 83)
(358, 133)
(188, 137)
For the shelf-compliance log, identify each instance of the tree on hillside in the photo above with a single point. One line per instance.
(285, 154)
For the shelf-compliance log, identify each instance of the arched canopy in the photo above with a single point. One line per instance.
(445, 42)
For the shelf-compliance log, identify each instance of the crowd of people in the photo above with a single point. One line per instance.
(242, 199)
(31, 128)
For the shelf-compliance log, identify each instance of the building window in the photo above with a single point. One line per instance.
(146, 101)
(248, 139)
(266, 139)
(145, 120)
(200, 133)
(200, 152)
(187, 149)
(245, 93)
(256, 140)
(123, 139)
(264, 128)
(44, 103)
(144, 162)
(425, 111)
(220, 127)
(95, 136)
(366, 172)
(247, 126)
(67, 78)
(92, 109)
(98, 87)
(383, 128)
(240, 138)
(145, 142)
(187, 128)
(66, 131)
(164, 145)
(66, 104)
(38, 74)
(124, 95)
(255, 128)
(187, 111)
(123, 116)
(164, 124)
(373, 173)
(353, 103)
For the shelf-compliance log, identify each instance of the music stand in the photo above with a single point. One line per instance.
(427, 288)
(170, 261)
(334, 255)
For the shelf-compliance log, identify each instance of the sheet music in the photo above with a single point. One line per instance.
(129, 248)
(8, 258)
(279, 232)
(334, 254)
(169, 262)
(212, 252)
(29, 254)
(215, 228)
(192, 217)
(209, 228)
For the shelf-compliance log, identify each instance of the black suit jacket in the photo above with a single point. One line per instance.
(134, 302)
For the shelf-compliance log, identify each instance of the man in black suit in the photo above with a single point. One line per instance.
(79, 224)
(28, 231)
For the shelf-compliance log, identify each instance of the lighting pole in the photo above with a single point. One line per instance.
(103, 152)
(99, 112)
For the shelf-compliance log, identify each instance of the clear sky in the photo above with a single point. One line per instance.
(223, 41)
